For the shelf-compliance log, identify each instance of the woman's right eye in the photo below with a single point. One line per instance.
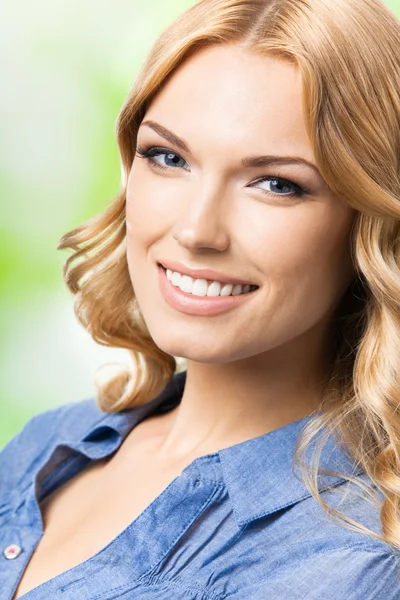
(169, 159)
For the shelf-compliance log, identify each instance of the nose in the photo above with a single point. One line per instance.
(204, 223)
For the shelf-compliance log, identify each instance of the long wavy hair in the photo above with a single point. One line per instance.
(348, 56)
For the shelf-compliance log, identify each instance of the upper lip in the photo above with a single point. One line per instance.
(208, 274)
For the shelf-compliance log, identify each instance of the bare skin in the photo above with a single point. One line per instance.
(259, 367)
(250, 370)
(100, 493)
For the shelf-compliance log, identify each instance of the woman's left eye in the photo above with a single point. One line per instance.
(280, 184)
(172, 160)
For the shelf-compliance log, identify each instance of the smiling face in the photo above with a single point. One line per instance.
(203, 205)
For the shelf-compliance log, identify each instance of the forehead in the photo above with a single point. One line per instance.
(227, 93)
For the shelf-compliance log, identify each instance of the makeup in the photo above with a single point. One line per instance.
(198, 305)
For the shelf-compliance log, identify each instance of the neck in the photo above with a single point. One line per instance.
(225, 404)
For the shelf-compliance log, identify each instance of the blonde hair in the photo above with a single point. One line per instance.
(348, 57)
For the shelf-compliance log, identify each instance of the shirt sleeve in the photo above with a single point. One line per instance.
(340, 574)
(357, 573)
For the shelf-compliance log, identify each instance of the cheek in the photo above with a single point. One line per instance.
(149, 207)
(141, 207)
(138, 228)
(304, 252)
(149, 218)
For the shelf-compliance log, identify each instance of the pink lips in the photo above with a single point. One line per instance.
(208, 274)
(198, 305)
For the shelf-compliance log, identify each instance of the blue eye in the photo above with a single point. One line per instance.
(280, 185)
(172, 160)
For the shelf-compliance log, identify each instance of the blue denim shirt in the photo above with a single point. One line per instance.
(235, 524)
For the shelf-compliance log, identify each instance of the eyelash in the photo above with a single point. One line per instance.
(152, 151)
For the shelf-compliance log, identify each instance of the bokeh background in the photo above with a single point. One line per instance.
(67, 67)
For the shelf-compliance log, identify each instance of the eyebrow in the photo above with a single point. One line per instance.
(249, 161)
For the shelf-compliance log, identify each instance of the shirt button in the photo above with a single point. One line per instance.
(12, 551)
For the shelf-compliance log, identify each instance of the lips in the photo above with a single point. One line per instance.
(208, 274)
(206, 306)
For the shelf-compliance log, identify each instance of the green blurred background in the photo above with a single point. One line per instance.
(67, 68)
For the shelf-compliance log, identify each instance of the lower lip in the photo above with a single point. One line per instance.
(198, 305)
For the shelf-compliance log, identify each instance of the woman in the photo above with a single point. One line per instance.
(257, 237)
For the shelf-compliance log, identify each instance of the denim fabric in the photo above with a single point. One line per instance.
(235, 524)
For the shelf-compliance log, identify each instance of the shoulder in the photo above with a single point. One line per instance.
(44, 431)
(357, 572)
(321, 557)
(58, 421)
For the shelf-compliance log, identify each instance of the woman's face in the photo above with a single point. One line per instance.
(204, 207)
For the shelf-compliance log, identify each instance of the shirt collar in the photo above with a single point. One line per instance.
(258, 473)
(123, 421)
(261, 479)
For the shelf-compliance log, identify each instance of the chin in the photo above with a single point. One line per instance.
(188, 349)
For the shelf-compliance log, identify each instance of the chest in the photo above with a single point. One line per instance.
(87, 512)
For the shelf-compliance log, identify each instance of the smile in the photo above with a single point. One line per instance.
(201, 297)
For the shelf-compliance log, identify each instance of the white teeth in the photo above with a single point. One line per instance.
(200, 287)
(213, 289)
